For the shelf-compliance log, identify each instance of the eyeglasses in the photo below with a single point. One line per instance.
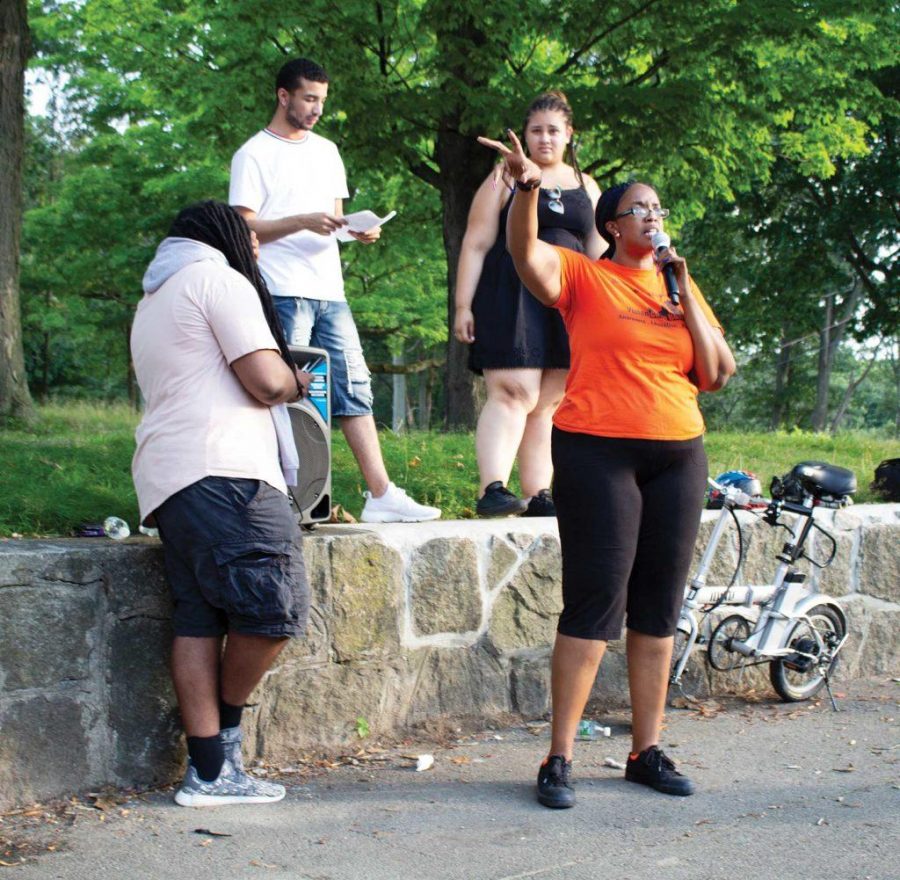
(641, 211)
(555, 204)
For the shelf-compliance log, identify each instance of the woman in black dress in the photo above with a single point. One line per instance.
(518, 344)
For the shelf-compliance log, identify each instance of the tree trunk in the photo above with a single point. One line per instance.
(15, 399)
(852, 385)
(823, 374)
(398, 399)
(463, 164)
(782, 378)
(830, 337)
(424, 409)
(467, 164)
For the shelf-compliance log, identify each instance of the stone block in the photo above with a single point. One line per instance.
(529, 682)
(43, 750)
(838, 578)
(47, 635)
(459, 682)
(725, 559)
(303, 709)
(501, 558)
(695, 679)
(525, 613)
(742, 681)
(879, 562)
(66, 562)
(143, 712)
(366, 589)
(611, 685)
(522, 540)
(135, 582)
(443, 578)
(872, 647)
(314, 646)
(762, 543)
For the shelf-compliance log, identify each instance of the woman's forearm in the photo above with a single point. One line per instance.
(713, 361)
(468, 271)
(536, 262)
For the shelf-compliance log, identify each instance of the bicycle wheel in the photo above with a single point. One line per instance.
(721, 655)
(800, 678)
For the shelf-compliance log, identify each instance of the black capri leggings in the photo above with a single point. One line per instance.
(628, 513)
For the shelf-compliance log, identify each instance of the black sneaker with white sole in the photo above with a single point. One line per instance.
(499, 501)
(654, 768)
(554, 786)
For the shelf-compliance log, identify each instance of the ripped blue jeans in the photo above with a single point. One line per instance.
(328, 324)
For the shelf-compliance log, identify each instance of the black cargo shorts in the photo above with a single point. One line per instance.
(233, 559)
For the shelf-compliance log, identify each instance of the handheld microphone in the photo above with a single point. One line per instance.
(660, 242)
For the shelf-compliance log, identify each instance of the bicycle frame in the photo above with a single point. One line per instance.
(782, 603)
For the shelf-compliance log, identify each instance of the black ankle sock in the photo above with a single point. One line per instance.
(207, 755)
(229, 716)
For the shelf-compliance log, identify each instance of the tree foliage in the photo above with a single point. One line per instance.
(810, 264)
(708, 101)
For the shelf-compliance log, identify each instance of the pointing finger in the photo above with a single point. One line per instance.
(495, 145)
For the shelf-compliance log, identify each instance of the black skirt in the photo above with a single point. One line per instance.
(513, 329)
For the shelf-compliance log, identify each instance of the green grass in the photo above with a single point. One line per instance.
(74, 466)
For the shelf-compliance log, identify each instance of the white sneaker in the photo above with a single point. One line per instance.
(396, 506)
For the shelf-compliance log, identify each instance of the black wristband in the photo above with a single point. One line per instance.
(528, 187)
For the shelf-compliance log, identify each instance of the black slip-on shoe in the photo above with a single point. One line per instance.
(499, 501)
(654, 768)
(554, 788)
(541, 505)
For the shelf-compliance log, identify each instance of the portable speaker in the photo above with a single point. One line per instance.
(311, 421)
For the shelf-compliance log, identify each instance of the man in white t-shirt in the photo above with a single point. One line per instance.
(289, 184)
(214, 456)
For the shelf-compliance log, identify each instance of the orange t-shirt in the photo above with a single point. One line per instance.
(631, 353)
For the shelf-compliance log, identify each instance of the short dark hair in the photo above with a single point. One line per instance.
(291, 73)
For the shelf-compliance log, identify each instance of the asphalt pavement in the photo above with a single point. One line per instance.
(784, 791)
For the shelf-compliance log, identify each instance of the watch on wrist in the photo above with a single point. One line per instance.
(528, 187)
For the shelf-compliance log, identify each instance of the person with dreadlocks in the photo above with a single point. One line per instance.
(630, 468)
(518, 344)
(289, 184)
(214, 458)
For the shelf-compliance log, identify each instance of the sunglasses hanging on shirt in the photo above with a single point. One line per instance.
(555, 204)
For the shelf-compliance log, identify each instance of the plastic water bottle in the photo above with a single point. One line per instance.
(116, 528)
(590, 730)
(146, 530)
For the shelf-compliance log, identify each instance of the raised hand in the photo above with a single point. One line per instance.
(516, 164)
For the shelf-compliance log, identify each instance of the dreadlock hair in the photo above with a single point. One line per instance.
(292, 72)
(221, 227)
(606, 210)
(555, 102)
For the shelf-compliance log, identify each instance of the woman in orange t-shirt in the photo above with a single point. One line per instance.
(630, 469)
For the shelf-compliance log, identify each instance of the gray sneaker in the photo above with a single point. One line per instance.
(231, 738)
(232, 786)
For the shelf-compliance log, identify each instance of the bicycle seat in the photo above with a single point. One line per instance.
(825, 482)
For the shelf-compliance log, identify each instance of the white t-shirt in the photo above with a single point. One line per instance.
(277, 177)
(199, 420)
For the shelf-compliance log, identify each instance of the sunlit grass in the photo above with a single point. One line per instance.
(74, 466)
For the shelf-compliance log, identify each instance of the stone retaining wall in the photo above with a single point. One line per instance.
(409, 623)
